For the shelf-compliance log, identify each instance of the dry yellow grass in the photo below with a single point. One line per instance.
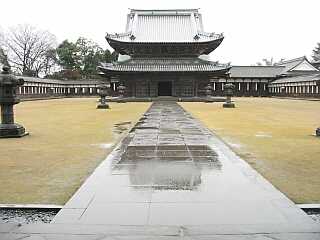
(275, 137)
(62, 150)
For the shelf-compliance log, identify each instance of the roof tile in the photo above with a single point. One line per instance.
(164, 65)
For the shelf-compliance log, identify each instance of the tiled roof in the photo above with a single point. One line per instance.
(55, 81)
(164, 65)
(163, 26)
(42, 80)
(303, 78)
(255, 71)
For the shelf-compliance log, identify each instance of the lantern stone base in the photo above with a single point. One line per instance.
(228, 105)
(209, 100)
(121, 100)
(318, 132)
(103, 106)
(12, 131)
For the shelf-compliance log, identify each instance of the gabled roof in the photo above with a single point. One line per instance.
(300, 64)
(255, 71)
(164, 26)
(164, 65)
(301, 78)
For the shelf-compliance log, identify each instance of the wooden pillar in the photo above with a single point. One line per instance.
(193, 88)
(134, 87)
(196, 88)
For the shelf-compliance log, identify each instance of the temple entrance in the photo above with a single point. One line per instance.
(165, 88)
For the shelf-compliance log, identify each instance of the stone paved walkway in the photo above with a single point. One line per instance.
(171, 178)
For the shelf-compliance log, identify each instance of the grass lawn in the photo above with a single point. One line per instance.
(68, 139)
(275, 137)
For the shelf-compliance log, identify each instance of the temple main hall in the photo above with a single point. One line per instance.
(164, 53)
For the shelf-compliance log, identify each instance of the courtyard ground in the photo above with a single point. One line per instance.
(275, 136)
(68, 139)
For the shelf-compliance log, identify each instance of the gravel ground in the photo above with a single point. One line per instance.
(314, 214)
(315, 217)
(26, 216)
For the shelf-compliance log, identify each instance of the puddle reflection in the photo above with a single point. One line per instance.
(166, 149)
(167, 169)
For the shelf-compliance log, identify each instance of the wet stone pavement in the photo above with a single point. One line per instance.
(171, 178)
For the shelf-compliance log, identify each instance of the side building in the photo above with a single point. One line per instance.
(47, 88)
(299, 78)
(292, 78)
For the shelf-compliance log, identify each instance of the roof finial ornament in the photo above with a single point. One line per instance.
(5, 69)
(132, 37)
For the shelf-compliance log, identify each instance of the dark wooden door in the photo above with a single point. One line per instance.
(165, 88)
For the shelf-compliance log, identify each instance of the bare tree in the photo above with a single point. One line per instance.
(269, 62)
(1, 37)
(30, 51)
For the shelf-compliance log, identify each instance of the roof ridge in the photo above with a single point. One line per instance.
(277, 66)
(165, 9)
(52, 79)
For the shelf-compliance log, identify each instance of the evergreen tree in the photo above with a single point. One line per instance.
(316, 52)
(81, 59)
(67, 55)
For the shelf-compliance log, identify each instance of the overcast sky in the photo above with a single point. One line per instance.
(253, 29)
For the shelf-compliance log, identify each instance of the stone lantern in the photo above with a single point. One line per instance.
(103, 92)
(121, 90)
(8, 98)
(228, 89)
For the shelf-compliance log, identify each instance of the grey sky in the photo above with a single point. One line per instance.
(253, 29)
